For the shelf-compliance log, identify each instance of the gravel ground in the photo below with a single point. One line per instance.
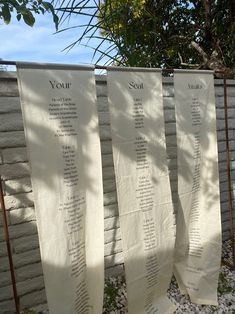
(117, 304)
(115, 301)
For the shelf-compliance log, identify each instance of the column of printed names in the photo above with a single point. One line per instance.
(198, 237)
(143, 188)
(61, 127)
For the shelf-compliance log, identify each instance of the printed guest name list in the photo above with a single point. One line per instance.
(61, 126)
(198, 236)
(143, 188)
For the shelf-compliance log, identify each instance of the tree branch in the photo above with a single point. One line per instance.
(187, 64)
(202, 53)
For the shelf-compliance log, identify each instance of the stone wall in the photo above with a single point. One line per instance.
(18, 195)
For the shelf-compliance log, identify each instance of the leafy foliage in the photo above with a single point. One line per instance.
(163, 33)
(114, 295)
(224, 286)
(25, 9)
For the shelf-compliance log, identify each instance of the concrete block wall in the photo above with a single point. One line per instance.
(18, 194)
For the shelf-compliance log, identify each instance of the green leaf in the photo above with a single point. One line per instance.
(22, 10)
(18, 16)
(42, 10)
(29, 18)
(48, 6)
(6, 14)
(56, 21)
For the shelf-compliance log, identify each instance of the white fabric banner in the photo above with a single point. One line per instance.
(198, 236)
(143, 188)
(61, 128)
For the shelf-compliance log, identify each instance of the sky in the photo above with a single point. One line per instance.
(19, 42)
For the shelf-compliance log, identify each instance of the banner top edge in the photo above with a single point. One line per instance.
(36, 65)
(132, 69)
(193, 71)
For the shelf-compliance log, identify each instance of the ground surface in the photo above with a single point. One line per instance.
(115, 299)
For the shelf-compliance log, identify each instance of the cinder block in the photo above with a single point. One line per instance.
(223, 166)
(111, 223)
(31, 300)
(6, 293)
(1, 221)
(221, 135)
(220, 113)
(222, 157)
(12, 139)
(220, 101)
(101, 90)
(104, 118)
(169, 115)
(174, 186)
(26, 243)
(13, 171)
(102, 104)
(225, 196)
(118, 270)
(5, 278)
(105, 132)
(226, 235)
(26, 258)
(170, 129)
(226, 225)
(3, 247)
(9, 88)
(19, 201)
(223, 176)
(111, 210)
(21, 230)
(107, 160)
(112, 260)
(11, 122)
(171, 152)
(21, 215)
(220, 125)
(230, 83)
(100, 79)
(172, 164)
(112, 235)
(16, 186)
(7, 307)
(108, 173)
(110, 198)
(168, 90)
(28, 272)
(171, 140)
(169, 104)
(109, 185)
(4, 264)
(41, 307)
(13, 155)
(219, 91)
(30, 285)
(106, 147)
(10, 104)
(113, 248)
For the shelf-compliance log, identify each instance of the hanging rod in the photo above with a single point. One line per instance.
(98, 67)
(102, 67)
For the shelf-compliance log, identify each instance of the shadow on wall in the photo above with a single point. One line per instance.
(29, 279)
(26, 257)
